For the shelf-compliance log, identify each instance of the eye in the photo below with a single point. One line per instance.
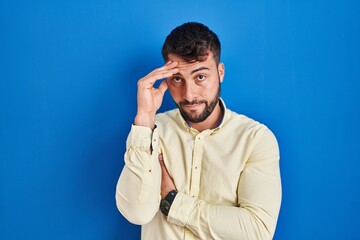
(177, 80)
(201, 77)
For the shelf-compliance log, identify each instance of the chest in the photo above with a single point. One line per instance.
(207, 167)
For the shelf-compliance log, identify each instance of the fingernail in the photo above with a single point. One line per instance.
(169, 62)
(160, 157)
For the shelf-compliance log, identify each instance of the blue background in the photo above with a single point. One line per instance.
(68, 98)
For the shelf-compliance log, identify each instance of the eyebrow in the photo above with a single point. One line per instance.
(193, 71)
(199, 69)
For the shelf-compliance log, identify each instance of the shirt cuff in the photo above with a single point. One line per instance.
(180, 209)
(140, 137)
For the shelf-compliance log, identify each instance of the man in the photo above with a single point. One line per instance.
(200, 171)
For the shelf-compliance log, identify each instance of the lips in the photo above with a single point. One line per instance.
(192, 106)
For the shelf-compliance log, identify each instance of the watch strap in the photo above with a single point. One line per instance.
(166, 202)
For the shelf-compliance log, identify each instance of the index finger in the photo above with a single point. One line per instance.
(169, 65)
(165, 71)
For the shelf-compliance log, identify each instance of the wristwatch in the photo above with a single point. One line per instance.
(166, 202)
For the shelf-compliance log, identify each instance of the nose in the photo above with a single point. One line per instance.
(189, 91)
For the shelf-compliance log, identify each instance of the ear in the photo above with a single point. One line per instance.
(221, 71)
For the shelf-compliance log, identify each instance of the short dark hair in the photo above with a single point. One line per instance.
(192, 42)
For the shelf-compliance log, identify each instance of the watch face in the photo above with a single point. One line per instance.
(165, 207)
(165, 203)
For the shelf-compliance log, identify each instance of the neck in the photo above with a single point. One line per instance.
(211, 122)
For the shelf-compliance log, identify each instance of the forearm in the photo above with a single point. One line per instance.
(138, 188)
(221, 222)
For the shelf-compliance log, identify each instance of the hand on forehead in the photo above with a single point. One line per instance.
(188, 66)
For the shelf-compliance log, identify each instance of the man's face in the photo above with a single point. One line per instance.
(196, 87)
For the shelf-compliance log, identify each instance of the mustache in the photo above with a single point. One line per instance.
(186, 102)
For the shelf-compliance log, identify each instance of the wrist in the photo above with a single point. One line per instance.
(167, 201)
(145, 120)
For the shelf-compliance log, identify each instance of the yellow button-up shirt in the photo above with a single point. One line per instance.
(228, 179)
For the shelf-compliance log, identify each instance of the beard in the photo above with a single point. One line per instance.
(209, 108)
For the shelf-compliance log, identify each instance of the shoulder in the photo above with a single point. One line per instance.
(168, 119)
(242, 121)
(163, 117)
(245, 126)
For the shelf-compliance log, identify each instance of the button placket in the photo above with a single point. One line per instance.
(196, 166)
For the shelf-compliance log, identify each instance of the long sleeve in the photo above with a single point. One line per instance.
(259, 199)
(138, 188)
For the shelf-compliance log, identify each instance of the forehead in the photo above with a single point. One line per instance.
(185, 66)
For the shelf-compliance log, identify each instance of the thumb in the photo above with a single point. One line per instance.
(163, 86)
(162, 165)
(161, 161)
